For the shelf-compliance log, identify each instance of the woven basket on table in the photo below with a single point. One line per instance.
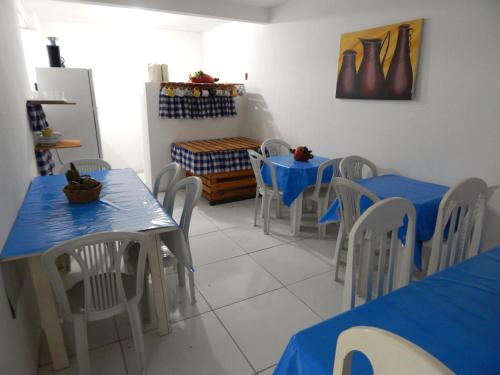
(83, 196)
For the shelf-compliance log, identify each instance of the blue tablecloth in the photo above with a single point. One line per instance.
(47, 219)
(295, 176)
(425, 196)
(453, 314)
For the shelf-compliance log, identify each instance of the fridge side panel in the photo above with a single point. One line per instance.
(95, 112)
(73, 121)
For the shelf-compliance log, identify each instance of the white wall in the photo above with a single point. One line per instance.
(118, 55)
(19, 337)
(159, 134)
(448, 132)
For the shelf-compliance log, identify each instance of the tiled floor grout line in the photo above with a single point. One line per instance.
(267, 368)
(234, 341)
(309, 307)
(246, 299)
(212, 310)
(121, 347)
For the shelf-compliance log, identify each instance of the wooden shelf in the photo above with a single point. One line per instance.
(63, 143)
(58, 102)
(192, 85)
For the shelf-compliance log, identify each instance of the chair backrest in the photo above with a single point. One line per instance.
(274, 147)
(85, 166)
(168, 174)
(378, 231)
(99, 257)
(335, 164)
(193, 187)
(351, 167)
(257, 160)
(459, 224)
(389, 354)
(350, 194)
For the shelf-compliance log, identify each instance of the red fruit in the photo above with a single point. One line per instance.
(205, 78)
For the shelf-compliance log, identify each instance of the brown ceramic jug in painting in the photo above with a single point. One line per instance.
(399, 81)
(346, 80)
(371, 74)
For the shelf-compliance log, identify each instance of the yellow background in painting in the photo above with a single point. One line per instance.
(351, 41)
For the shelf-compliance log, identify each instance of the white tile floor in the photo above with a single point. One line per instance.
(254, 292)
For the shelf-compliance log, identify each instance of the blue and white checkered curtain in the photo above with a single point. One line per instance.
(191, 107)
(38, 122)
(211, 162)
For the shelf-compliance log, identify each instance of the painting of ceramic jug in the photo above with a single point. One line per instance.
(371, 75)
(399, 81)
(347, 86)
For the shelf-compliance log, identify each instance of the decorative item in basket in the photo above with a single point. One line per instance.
(302, 153)
(201, 77)
(81, 189)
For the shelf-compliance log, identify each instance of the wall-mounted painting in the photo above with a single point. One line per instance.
(379, 63)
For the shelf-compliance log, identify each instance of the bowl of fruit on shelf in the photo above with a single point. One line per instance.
(302, 153)
(81, 189)
(202, 77)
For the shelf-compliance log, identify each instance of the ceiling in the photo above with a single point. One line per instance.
(59, 11)
(194, 15)
(261, 3)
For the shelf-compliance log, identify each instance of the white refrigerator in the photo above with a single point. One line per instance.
(78, 121)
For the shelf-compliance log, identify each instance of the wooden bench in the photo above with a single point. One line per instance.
(228, 186)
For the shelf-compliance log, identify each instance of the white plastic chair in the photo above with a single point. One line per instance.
(351, 167)
(168, 175)
(320, 194)
(389, 354)
(275, 147)
(376, 231)
(268, 192)
(85, 166)
(103, 291)
(349, 195)
(459, 224)
(193, 187)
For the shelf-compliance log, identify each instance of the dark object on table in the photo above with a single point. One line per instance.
(81, 189)
(302, 153)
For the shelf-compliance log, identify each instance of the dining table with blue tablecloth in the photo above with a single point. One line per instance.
(47, 219)
(293, 178)
(453, 315)
(425, 196)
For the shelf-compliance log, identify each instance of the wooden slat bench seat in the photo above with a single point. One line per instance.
(224, 186)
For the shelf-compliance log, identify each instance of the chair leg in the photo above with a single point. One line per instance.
(278, 208)
(192, 291)
(338, 248)
(136, 325)
(267, 209)
(256, 208)
(319, 211)
(145, 302)
(82, 346)
(181, 274)
(262, 213)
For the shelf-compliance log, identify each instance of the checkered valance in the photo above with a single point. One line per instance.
(211, 162)
(192, 107)
(38, 122)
